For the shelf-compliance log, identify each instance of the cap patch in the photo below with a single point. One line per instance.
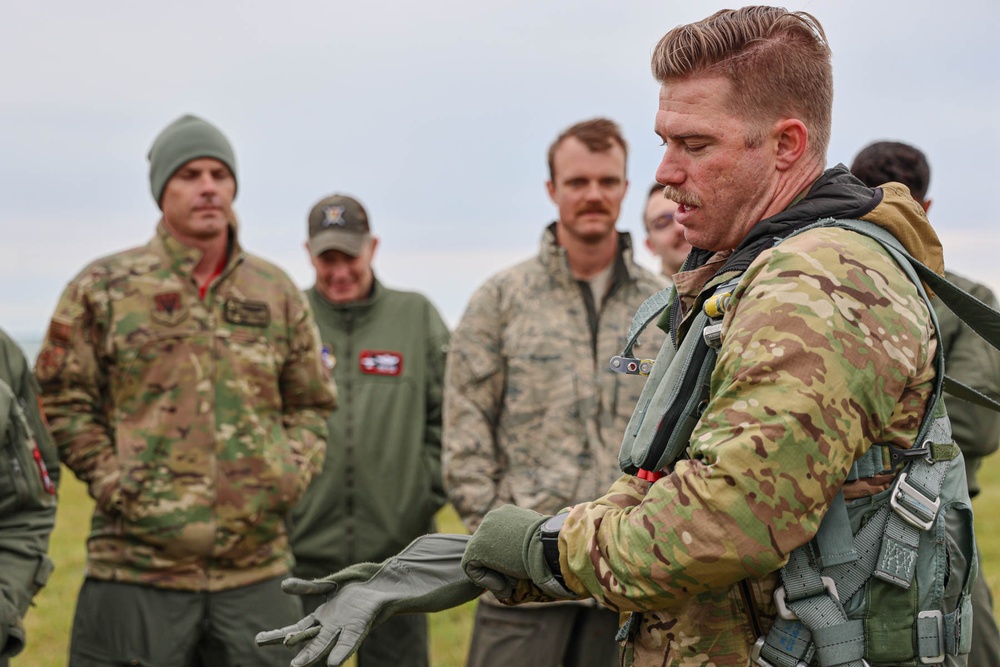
(333, 216)
(380, 362)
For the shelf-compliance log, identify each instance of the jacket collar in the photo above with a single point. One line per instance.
(183, 258)
(553, 256)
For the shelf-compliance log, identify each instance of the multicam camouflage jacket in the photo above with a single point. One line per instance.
(532, 414)
(826, 349)
(196, 423)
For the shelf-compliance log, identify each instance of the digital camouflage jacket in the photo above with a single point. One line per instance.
(196, 423)
(533, 415)
(826, 348)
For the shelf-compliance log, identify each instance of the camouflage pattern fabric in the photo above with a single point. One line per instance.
(531, 416)
(196, 424)
(827, 348)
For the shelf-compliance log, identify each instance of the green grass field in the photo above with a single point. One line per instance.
(48, 624)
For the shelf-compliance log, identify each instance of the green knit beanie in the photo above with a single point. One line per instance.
(187, 138)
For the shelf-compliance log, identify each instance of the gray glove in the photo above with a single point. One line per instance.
(426, 576)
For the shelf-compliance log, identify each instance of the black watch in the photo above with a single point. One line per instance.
(549, 534)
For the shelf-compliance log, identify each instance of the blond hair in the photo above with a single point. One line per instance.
(597, 134)
(777, 61)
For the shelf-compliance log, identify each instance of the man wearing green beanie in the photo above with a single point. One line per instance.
(184, 385)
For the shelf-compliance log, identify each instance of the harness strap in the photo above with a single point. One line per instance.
(813, 590)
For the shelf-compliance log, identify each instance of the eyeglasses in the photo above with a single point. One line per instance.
(661, 221)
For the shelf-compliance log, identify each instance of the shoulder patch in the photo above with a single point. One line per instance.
(169, 308)
(380, 362)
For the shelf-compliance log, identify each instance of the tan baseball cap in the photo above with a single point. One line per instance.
(338, 222)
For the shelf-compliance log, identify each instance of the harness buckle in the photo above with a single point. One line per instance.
(919, 511)
(758, 661)
(631, 365)
(712, 333)
(939, 658)
(780, 598)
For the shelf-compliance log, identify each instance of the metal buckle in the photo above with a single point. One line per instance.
(755, 658)
(780, 596)
(904, 489)
(939, 658)
(712, 333)
(631, 366)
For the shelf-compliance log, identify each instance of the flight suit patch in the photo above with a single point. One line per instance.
(380, 362)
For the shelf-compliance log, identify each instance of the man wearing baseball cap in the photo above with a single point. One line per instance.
(184, 385)
(381, 484)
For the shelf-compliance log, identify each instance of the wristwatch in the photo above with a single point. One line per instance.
(549, 534)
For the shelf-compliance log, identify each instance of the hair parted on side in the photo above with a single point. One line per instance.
(778, 62)
(597, 134)
(885, 161)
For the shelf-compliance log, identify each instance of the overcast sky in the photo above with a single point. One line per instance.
(436, 114)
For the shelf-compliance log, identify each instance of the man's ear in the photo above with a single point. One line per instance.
(792, 136)
(926, 204)
(551, 189)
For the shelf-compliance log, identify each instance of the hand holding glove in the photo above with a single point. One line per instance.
(506, 550)
(426, 576)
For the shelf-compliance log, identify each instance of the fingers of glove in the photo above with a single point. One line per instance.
(296, 586)
(268, 637)
(486, 578)
(317, 649)
(294, 639)
(348, 642)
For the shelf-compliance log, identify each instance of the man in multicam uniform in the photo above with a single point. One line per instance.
(533, 415)
(826, 348)
(29, 470)
(968, 358)
(184, 386)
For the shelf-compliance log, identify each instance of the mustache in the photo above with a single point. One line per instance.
(594, 208)
(681, 197)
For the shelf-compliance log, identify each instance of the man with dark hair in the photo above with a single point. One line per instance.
(528, 362)
(183, 384)
(968, 358)
(786, 461)
(664, 237)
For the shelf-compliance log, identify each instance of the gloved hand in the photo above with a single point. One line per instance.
(507, 548)
(426, 576)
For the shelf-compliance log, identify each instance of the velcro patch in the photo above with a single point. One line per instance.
(60, 333)
(380, 362)
(247, 313)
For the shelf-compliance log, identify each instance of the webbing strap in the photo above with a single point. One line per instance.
(648, 311)
(887, 545)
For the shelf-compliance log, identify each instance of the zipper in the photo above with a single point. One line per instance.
(751, 614)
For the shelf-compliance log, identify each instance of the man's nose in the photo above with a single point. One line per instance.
(669, 172)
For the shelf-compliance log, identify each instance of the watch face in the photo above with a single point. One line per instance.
(554, 523)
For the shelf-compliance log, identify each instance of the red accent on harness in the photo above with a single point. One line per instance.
(649, 475)
(50, 488)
